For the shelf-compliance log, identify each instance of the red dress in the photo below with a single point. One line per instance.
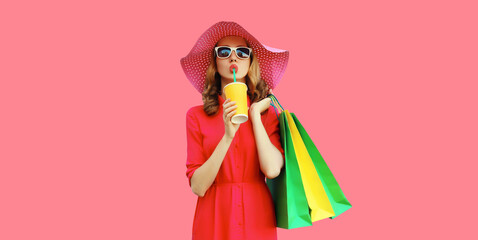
(238, 205)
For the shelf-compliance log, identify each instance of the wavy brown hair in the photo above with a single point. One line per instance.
(257, 88)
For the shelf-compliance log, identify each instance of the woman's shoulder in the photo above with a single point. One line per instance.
(198, 113)
(195, 110)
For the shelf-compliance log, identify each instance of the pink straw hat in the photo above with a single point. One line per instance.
(272, 61)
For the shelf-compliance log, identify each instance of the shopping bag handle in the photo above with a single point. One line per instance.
(275, 104)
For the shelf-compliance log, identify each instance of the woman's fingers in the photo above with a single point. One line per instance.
(229, 116)
(227, 110)
(226, 105)
(225, 102)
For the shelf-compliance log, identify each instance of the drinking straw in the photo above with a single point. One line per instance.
(234, 72)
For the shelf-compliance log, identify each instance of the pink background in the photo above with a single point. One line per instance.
(93, 103)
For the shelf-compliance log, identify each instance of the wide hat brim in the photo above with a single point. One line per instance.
(272, 61)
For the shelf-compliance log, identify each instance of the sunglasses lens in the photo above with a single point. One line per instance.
(223, 52)
(243, 52)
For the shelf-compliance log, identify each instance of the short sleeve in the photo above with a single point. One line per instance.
(195, 153)
(273, 129)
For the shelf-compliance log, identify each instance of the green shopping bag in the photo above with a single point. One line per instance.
(334, 193)
(336, 197)
(315, 193)
(287, 190)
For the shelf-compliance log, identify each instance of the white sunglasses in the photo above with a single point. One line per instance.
(226, 51)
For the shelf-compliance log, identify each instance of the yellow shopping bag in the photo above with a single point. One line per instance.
(317, 198)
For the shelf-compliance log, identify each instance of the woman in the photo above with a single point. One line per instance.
(227, 163)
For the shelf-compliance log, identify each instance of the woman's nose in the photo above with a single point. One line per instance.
(233, 56)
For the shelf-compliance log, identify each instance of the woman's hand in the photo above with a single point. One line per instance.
(229, 111)
(258, 107)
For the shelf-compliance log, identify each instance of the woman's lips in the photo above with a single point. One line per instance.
(233, 66)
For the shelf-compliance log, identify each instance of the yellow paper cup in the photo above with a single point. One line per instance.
(237, 92)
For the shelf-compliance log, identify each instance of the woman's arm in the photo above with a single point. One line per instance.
(204, 176)
(270, 158)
